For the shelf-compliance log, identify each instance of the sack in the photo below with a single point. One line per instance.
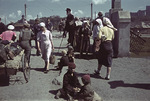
(71, 22)
(52, 59)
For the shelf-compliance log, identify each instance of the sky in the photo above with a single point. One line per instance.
(12, 10)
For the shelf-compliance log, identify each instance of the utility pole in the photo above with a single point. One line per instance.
(91, 11)
(25, 6)
(5, 20)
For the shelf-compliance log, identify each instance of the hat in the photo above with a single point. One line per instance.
(42, 24)
(68, 9)
(11, 27)
(86, 78)
(71, 65)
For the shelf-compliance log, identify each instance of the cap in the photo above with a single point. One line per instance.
(68, 9)
(71, 65)
(86, 78)
(42, 24)
(11, 27)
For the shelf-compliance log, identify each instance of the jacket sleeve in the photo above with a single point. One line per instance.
(66, 84)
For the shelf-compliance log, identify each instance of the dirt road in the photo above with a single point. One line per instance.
(130, 79)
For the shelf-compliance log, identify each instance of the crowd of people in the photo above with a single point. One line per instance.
(79, 33)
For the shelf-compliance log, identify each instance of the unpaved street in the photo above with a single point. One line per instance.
(130, 79)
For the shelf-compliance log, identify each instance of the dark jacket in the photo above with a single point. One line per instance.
(70, 82)
(69, 26)
(86, 93)
(2, 27)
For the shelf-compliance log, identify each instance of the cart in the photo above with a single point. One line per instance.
(10, 67)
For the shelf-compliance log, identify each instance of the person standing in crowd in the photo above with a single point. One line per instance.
(78, 25)
(36, 29)
(45, 44)
(85, 34)
(49, 25)
(86, 93)
(71, 84)
(61, 25)
(9, 34)
(69, 26)
(2, 27)
(96, 28)
(106, 35)
(24, 38)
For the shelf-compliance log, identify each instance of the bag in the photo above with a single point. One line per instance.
(71, 22)
(52, 59)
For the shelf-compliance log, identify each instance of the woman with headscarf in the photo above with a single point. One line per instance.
(96, 28)
(45, 44)
(106, 35)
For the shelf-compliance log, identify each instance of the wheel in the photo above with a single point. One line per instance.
(26, 70)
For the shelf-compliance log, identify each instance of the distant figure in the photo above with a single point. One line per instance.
(9, 35)
(106, 35)
(36, 29)
(49, 25)
(22, 20)
(61, 25)
(24, 38)
(2, 27)
(85, 33)
(69, 26)
(45, 45)
(78, 25)
(71, 84)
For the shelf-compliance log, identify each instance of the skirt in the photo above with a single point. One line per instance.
(105, 54)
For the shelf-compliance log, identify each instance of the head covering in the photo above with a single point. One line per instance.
(71, 65)
(70, 48)
(68, 9)
(11, 27)
(64, 52)
(42, 24)
(86, 78)
(99, 21)
(108, 23)
(27, 25)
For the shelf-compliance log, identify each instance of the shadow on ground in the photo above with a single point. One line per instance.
(115, 84)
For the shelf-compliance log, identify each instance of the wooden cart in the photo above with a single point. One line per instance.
(10, 67)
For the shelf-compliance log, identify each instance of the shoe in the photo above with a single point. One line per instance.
(46, 71)
(96, 72)
(107, 78)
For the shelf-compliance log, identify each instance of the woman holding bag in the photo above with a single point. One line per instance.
(45, 45)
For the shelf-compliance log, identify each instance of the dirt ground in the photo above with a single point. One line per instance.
(130, 78)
